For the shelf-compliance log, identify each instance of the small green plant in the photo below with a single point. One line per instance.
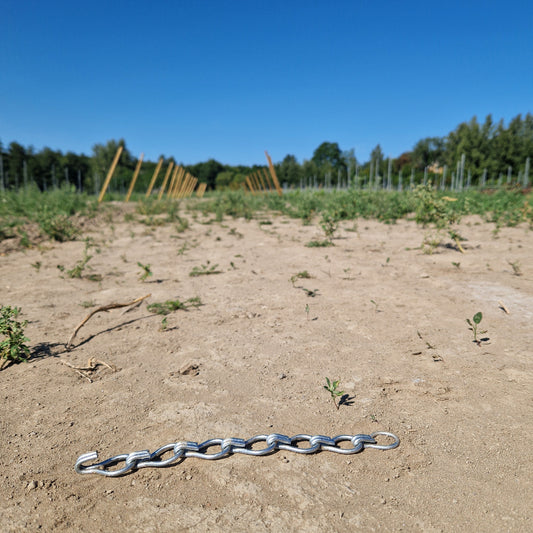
(12, 346)
(307, 309)
(145, 273)
(300, 275)
(517, 271)
(329, 223)
(165, 308)
(204, 270)
(474, 327)
(37, 265)
(164, 324)
(376, 309)
(79, 267)
(331, 387)
(58, 227)
(456, 265)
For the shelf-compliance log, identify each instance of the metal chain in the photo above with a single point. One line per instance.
(274, 442)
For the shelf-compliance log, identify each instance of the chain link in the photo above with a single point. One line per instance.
(177, 451)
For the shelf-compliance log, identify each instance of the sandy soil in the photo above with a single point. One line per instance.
(464, 412)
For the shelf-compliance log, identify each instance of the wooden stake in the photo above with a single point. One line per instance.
(154, 177)
(273, 174)
(249, 183)
(255, 181)
(172, 181)
(167, 175)
(134, 179)
(184, 185)
(192, 187)
(177, 184)
(262, 182)
(265, 173)
(110, 174)
(201, 190)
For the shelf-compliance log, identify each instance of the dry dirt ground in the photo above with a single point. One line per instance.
(386, 319)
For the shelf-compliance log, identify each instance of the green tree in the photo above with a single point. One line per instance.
(328, 158)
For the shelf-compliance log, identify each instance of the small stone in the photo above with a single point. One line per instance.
(383, 501)
(32, 485)
(188, 477)
(282, 375)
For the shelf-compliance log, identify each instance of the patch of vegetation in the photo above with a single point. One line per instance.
(332, 388)
(165, 308)
(204, 270)
(12, 346)
(145, 273)
(474, 327)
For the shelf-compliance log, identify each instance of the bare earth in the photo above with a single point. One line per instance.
(463, 412)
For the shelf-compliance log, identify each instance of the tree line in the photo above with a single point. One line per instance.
(490, 152)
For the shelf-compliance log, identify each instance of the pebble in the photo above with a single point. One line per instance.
(282, 375)
(32, 485)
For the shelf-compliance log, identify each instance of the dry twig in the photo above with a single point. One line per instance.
(100, 309)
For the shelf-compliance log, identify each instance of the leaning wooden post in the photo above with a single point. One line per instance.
(273, 174)
(249, 183)
(134, 179)
(167, 175)
(262, 182)
(201, 190)
(177, 183)
(256, 183)
(192, 186)
(154, 177)
(267, 179)
(183, 183)
(110, 174)
(172, 181)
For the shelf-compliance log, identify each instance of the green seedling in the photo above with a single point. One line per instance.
(12, 344)
(516, 267)
(307, 309)
(37, 265)
(79, 267)
(300, 275)
(474, 327)
(164, 324)
(376, 310)
(309, 293)
(329, 224)
(331, 387)
(204, 270)
(145, 273)
(165, 308)
(456, 265)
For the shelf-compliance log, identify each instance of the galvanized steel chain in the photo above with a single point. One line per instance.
(177, 451)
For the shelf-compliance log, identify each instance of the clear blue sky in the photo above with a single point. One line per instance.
(201, 79)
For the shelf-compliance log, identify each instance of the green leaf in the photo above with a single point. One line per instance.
(477, 317)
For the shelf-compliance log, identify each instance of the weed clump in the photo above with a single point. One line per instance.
(12, 346)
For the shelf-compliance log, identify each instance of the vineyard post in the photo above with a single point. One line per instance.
(110, 174)
(154, 177)
(134, 178)
(172, 182)
(167, 175)
(273, 174)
